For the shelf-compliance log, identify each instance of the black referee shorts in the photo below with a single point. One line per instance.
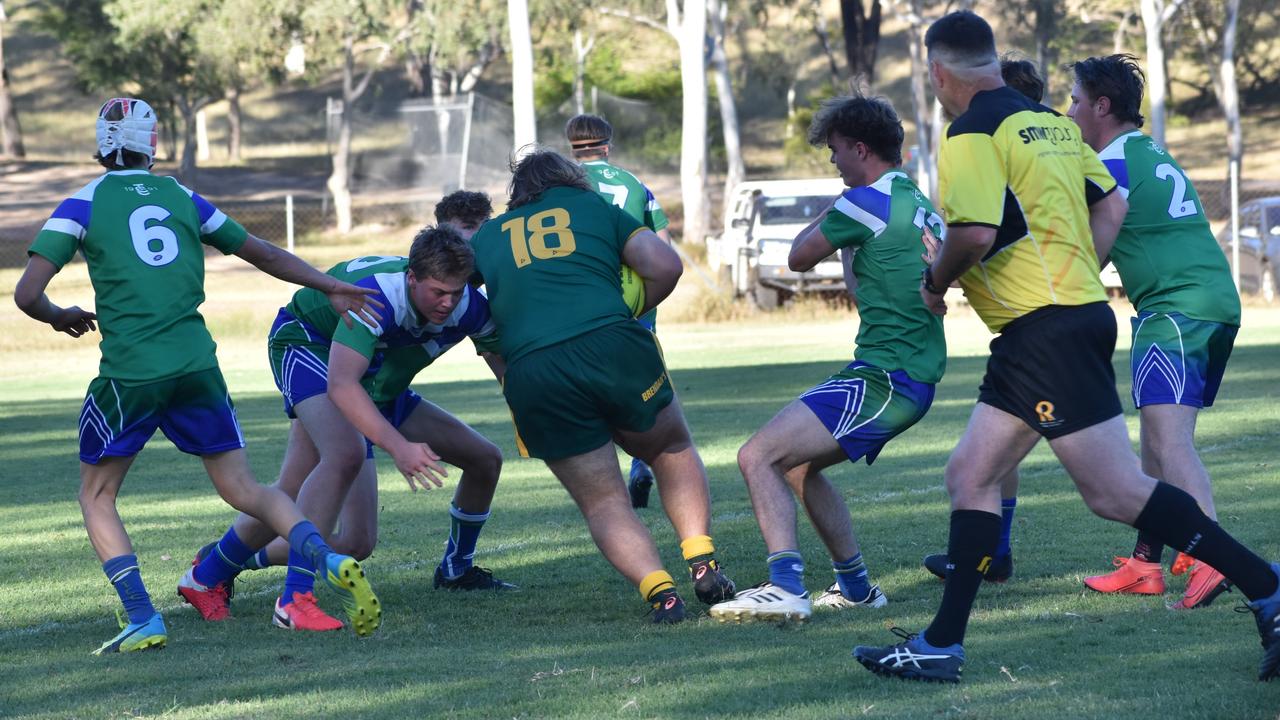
(1052, 368)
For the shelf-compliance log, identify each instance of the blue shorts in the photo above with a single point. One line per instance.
(1177, 360)
(864, 407)
(299, 358)
(396, 412)
(193, 410)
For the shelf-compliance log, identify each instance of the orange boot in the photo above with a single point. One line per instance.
(1131, 576)
(1203, 587)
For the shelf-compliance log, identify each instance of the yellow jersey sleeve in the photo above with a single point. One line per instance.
(965, 202)
(1098, 182)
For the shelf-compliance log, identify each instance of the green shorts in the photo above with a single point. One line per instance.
(568, 399)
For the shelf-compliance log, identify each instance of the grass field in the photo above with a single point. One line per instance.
(575, 642)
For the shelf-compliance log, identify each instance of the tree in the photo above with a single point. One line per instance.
(735, 171)
(1155, 14)
(824, 39)
(361, 35)
(521, 74)
(861, 37)
(10, 130)
(691, 20)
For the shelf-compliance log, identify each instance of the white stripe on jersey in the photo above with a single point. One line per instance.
(875, 224)
(214, 222)
(64, 226)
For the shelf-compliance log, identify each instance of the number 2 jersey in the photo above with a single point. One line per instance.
(400, 342)
(551, 268)
(1166, 254)
(142, 237)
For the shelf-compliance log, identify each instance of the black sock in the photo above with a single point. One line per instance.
(1149, 548)
(974, 537)
(1173, 516)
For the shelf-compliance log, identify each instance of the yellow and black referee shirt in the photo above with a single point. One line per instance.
(1021, 168)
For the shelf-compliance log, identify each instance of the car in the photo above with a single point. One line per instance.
(1259, 247)
(762, 218)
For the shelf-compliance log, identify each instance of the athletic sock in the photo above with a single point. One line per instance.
(1174, 517)
(639, 468)
(225, 562)
(654, 583)
(258, 561)
(696, 547)
(786, 570)
(464, 532)
(306, 540)
(299, 578)
(1007, 506)
(974, 536)
(851, 576)
(125, 576)
(1148, 548)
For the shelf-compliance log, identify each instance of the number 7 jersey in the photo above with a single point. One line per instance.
(142, 237)
(1166, 254)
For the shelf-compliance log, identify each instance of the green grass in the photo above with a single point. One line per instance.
(575, 642)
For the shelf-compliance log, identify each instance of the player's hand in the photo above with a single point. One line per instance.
(934, 301)
(932, 245)
(353, 301)
(74, 321)
(418, 463)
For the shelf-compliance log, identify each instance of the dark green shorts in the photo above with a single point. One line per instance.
(568, 399)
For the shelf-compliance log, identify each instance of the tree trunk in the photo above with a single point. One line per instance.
(339, 182)
(861, 38)
(735, 172)
(10, 130)
(187, 166)
(1046, 19)
(693, 131)
(1154, 15)
(920, 106)
(824, 39)
(526, 130)
(233, 123)
(581, 50)
(1230, 88)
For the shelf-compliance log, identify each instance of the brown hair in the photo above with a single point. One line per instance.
(588, 134)
(465, 206)
(540, 170)
(439, 252)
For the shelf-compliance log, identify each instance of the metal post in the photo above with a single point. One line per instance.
(1235, 222)
(466, 140)
(288, 222)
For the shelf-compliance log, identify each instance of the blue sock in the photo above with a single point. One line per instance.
(851, 576)
(1007, 506)
(300, 578)
(258, 561)
(123, 573)
(786, 570)
(639, 468)
(225, 562)
(464, 531)
(306, 540)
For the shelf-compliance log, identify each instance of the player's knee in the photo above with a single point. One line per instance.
(485, 464)
(358, 545)
(345, 458)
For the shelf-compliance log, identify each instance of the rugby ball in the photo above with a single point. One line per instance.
(632, 290)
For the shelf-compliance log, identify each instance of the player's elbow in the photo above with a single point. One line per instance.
(799, 262)
(26, 297)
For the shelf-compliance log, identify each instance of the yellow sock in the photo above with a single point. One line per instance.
(654, 583)
(697, 545)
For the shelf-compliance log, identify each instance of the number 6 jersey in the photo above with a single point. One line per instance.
(1167, 257)
(141, 236)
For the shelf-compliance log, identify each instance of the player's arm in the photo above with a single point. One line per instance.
(1105, 218)
(811, 246)
(416, 461)
(656, 263)
(344, 297)
(32, 300)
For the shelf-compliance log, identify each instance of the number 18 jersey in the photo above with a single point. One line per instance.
(142, 237)
(552, 268)
(1166, 254)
